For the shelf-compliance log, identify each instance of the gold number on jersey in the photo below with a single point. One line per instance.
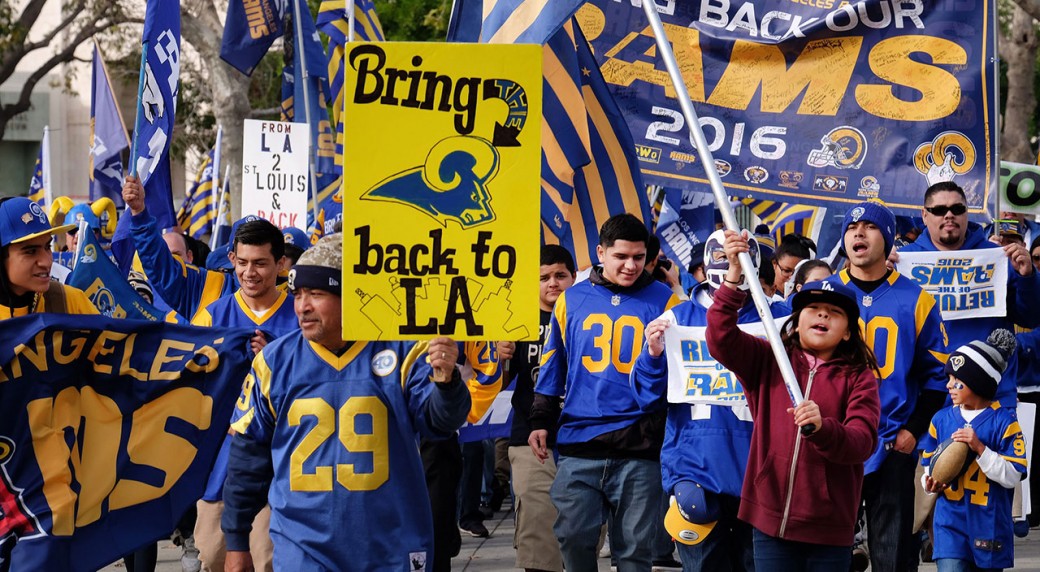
(608, 341)
(886, 356)
(973, 480)
(324, 426)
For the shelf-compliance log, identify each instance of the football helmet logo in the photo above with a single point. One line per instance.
(843, 147)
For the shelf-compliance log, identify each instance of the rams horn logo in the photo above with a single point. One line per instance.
(451, 185)
(89, 254)
(843, 147)
(756, 174)
(951, 153)
(722, 167)
(857, 213)
(956, 362)
(292, 279)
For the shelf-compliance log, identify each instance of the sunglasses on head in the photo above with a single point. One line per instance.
(941, 210)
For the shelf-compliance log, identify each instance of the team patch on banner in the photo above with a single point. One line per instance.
(109, 431)
(811, 102)
(693, 375)
(443, 147)
(965, 283)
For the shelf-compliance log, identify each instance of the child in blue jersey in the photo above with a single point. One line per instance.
(973, 527)
(706, 444)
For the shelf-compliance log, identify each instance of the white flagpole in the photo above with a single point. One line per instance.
(214, 173)
(664, 48)
(48, 192)
(300, 50)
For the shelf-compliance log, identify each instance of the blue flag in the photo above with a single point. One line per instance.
(687, 219)
(158, 105)
(40, 183)
(250, 29)
(200, 207)
(106, 286)
(323, 142)
(109, 431)
(107, 135)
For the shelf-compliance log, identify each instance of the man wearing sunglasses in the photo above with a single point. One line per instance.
(947, 229)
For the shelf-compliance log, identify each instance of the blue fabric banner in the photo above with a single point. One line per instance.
(250, 29)
(108, 137)
(816, 102)
(106, 286)
(109, 431)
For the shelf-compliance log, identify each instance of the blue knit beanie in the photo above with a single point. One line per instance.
(875, 212)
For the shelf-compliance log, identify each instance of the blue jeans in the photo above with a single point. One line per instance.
(955, 565)
(779, 555)
(587, 490)
(727, 548)
(889, 496)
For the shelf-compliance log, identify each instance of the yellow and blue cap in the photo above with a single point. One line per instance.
(22, 219)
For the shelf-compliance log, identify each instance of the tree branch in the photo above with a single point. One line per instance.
(262, 113)
(1031, 7)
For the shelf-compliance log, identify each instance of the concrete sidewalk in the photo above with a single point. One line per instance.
(496, 553)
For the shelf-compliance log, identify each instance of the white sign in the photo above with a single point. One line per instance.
(693, 375)
(275, 172)
(965, 283)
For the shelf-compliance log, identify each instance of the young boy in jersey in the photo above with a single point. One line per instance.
(536, 546)
(327, 430)
(257, 255)
(609, 448)
(973, 527)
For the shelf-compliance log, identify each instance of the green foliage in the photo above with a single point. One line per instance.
(414, 20)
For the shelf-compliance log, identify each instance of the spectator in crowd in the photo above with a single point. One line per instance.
(536, 547)
(609, 448)
(25, 272)
(793, 248)
(902, 325)
(803, 504)
(368, 482)
(811, 270)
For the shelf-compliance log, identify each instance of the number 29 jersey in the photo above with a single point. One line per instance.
(348, 491)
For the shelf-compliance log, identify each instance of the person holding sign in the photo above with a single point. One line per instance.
(327, 430)
(947, 229)
(704, 443)
(902, 325)
(609, 448)
(802, 493)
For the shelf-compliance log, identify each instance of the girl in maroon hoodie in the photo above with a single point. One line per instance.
(801, 493)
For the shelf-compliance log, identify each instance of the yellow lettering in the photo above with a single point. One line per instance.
(37, 356)
(63, 358)
(162, 357)
(212, 360)
(151, 446)
(823, 71)
(124, 367)
(940, 90)
(685, 42)
(49, 419)
(100, 349)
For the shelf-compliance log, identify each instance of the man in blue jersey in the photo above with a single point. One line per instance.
(609, 448)
(901, 323)
(257, 253)
(947, 229)
(327, 430)
(707, 444)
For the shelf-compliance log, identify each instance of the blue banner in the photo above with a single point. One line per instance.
(109, 431)
(250, 29)
(815, 102)
(687, 219)
(158, 105)
(106, 286)
(108, 137)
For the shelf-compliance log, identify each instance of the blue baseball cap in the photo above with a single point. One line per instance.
(692, 513)
(296, 237)
(22, 220)
(828, 292)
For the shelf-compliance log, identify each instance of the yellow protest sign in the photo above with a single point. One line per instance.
(442, 151)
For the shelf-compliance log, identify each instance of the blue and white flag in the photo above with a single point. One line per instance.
(107, 135)
(40, 185)
(106, 286)
(157, 106)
